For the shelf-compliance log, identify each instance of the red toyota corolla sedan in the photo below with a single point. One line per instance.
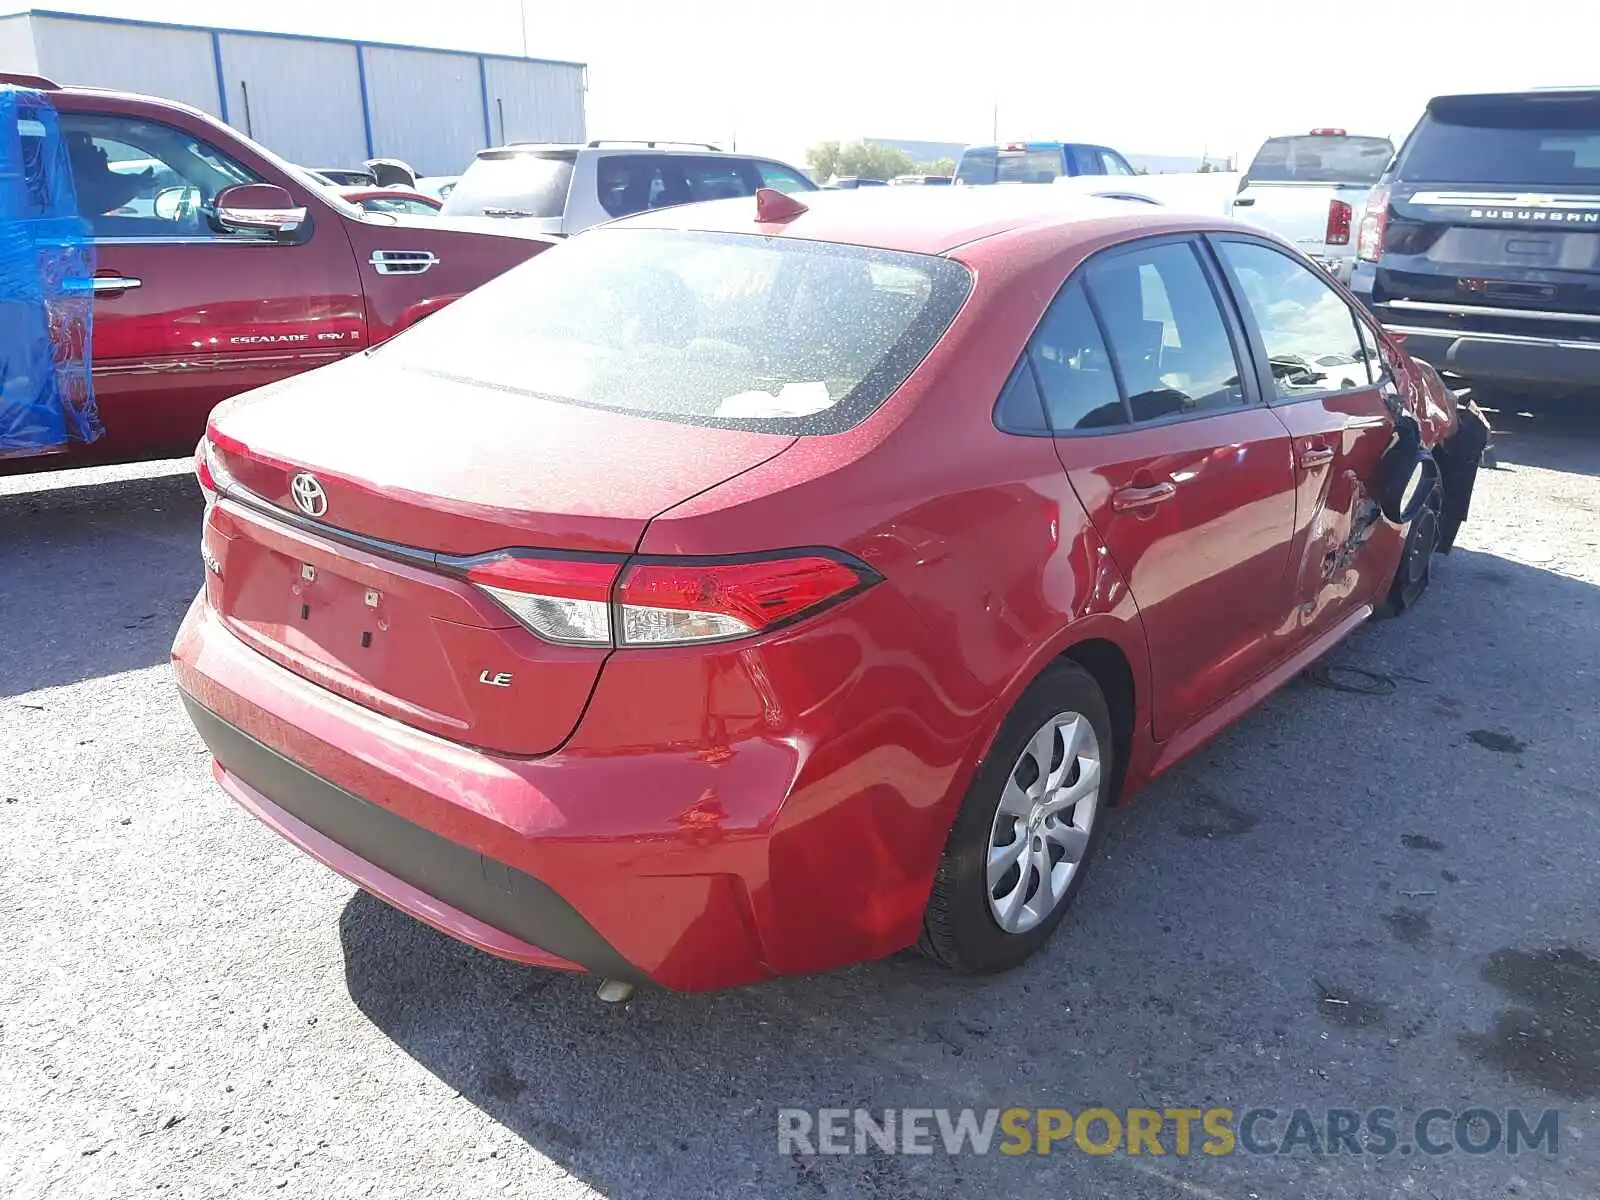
(751, 588)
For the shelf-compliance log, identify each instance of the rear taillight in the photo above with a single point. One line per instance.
(1369, 242)
(209, 473)
(565, 600)
(664, 602)
(1339, 214)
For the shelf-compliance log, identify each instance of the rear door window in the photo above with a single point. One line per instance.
(1512, 141)
(1310, 333)
(1321, 158)
(630, 183)
(1069, 357)
(717, 178)
(1166, 332)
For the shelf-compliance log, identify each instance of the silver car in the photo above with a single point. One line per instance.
(564, 189)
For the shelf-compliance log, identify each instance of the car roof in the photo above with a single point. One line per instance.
(930, 220)
(1586, 91)
(674, 148)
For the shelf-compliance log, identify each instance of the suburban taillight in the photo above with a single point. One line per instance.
(565, 600)
(1339, 214)
(662, 602)
(1369, 242)
(665, 602)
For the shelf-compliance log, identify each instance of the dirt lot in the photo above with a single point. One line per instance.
(1348, 901)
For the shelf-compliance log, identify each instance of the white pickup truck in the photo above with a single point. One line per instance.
(1311, 189)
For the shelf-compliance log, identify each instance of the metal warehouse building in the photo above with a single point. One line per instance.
(315, 101)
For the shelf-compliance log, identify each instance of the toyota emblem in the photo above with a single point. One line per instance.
(308, 495)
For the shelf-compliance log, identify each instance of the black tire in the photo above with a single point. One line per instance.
(1415, 572)
(959, 930)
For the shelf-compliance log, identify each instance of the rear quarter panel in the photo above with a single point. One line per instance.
(991, 570)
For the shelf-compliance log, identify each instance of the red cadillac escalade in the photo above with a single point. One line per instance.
(218, 267)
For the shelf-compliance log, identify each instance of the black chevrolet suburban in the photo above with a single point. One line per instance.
(1481, 243)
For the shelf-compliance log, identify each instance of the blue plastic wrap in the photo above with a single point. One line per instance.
(46, 269)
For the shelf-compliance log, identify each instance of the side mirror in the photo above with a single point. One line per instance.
(177, 203)
(259, 207)
(1406, 474)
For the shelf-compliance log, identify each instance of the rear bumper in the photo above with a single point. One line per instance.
(463, 893)
(1505, 358)
(692, 863)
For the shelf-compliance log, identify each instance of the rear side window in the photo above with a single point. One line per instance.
(1309, 331)
(716, 179)
(630, 183)
(1508, 140)
(775, 175)
(1073, 366)
(737, 330)
(513, 183)
(1085, 160)
(1321, 158)
(1166, 333)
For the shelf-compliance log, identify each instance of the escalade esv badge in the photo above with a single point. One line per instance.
(308, 495)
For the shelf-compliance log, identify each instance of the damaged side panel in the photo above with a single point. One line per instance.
(46, 281)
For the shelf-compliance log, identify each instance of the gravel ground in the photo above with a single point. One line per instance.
(1347, 901)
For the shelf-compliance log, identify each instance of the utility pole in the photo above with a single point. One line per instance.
(994, 132)
(522, 20)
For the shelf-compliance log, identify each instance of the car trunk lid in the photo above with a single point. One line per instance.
(356, 580)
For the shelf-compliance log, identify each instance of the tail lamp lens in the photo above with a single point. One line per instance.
(563, 600)
(1339, 214)
(662, 602)
(1369, 242)
(673, 602)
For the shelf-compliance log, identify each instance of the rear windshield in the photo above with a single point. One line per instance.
(1321, 158)
(741, 331)
(513, 183)
(1507, 140)
(990, 164)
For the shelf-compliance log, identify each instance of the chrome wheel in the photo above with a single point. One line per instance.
(1042, 826)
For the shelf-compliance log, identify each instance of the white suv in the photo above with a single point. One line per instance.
(564, 189)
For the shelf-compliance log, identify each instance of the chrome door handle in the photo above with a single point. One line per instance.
(1312, 457)
(115, 283)
(1125, 499)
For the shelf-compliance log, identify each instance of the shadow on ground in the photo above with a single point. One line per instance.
(96, 577)
(1558, 436)
(1311, 911)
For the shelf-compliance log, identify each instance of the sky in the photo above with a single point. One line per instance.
(1144, 76)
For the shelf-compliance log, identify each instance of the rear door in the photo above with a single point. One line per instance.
(1185, 474)
(1495, 213)
(186, 315)
(1328, 386)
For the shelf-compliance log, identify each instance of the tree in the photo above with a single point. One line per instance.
(829, 159)
(939, 166)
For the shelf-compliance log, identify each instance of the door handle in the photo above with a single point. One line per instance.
(1245, 203)
(1312, 457)
(1128, 498)
(115, 283)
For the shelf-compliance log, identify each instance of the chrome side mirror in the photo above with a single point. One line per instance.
(258, 207)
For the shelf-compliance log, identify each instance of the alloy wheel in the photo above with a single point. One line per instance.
(1042, 826)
